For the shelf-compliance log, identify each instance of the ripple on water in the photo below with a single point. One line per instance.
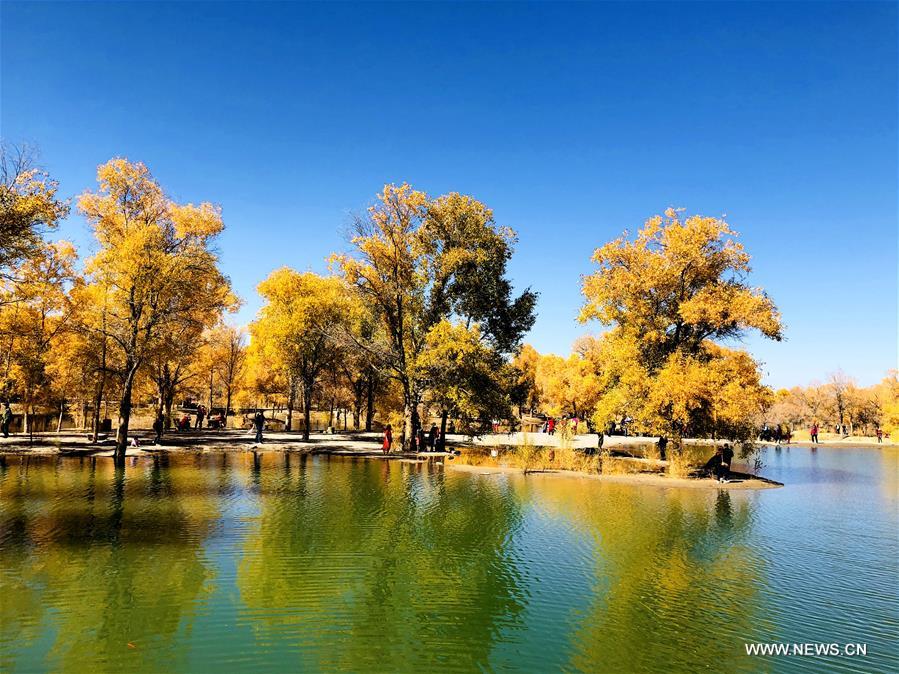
(277, 562)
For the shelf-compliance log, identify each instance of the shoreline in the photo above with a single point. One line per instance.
(357, 445)
(742, 481)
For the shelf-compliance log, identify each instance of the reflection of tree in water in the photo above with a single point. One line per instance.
(100, 558)
(677, 585)
(380, 565)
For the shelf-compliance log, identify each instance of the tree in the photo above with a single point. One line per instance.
(227, 354)
(155, 264)
(29, 206)
(95, 351)
(567, 385)
(526, 362)
(172, 363)
(839, 387)
(887, 393)
(465, 376)
(35, 307)
(419, 261)
(292, 331)
(670, 296)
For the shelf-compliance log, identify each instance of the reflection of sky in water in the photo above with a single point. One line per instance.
(295, 563)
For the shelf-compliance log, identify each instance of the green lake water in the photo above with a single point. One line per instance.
(286, 563)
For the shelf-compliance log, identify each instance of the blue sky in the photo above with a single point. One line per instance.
(573, 122)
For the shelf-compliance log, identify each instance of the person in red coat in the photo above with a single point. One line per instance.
(388, 439)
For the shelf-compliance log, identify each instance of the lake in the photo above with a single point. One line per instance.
(280, 562)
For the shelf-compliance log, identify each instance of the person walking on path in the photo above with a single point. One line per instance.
(813, 431)
(551, 426)
(879, 435)
(7, 419)
(388, 439)
(201, 413)
(259, 425)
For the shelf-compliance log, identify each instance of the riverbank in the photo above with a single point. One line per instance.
(463, 455)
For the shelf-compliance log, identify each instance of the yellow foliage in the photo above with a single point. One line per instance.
(669, 295)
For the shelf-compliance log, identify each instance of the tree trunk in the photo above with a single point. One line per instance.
(443, 417)
(101, 386)
(410, 416)
(124, 414)
(307, 409)
(62, 409)
(169, 401)
(291, 394)
(370, 401)
(228, 403)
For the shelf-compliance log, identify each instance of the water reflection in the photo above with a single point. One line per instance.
(673, 577)
(101, 567)
(280, 562)
(358, 567)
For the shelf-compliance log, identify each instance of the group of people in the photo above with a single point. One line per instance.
(779, 434)
(421, 442)
(718, 466)
(183, 422)
(549, 426)
(212, 420)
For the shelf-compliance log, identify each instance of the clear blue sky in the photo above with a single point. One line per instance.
(573, 122)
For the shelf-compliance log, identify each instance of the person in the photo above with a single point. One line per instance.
(433, 434)
(422, 442)
(7, 418)
(218, 422)
(259, 424)
(879, 433)
(663, 447)
(727, 455)
(184, 423)
(201, 413)
(551, 426)
(813, 431)
(388, 439)
(712, 466)
(719, 465)
(157, 429)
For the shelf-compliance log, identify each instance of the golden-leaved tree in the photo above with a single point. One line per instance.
(293, 331)
(568, 386)
(224, 360)
(29, 206)
(34, 308)
(671, 297)
(420, 261)
(156, 266)
(459, 371)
